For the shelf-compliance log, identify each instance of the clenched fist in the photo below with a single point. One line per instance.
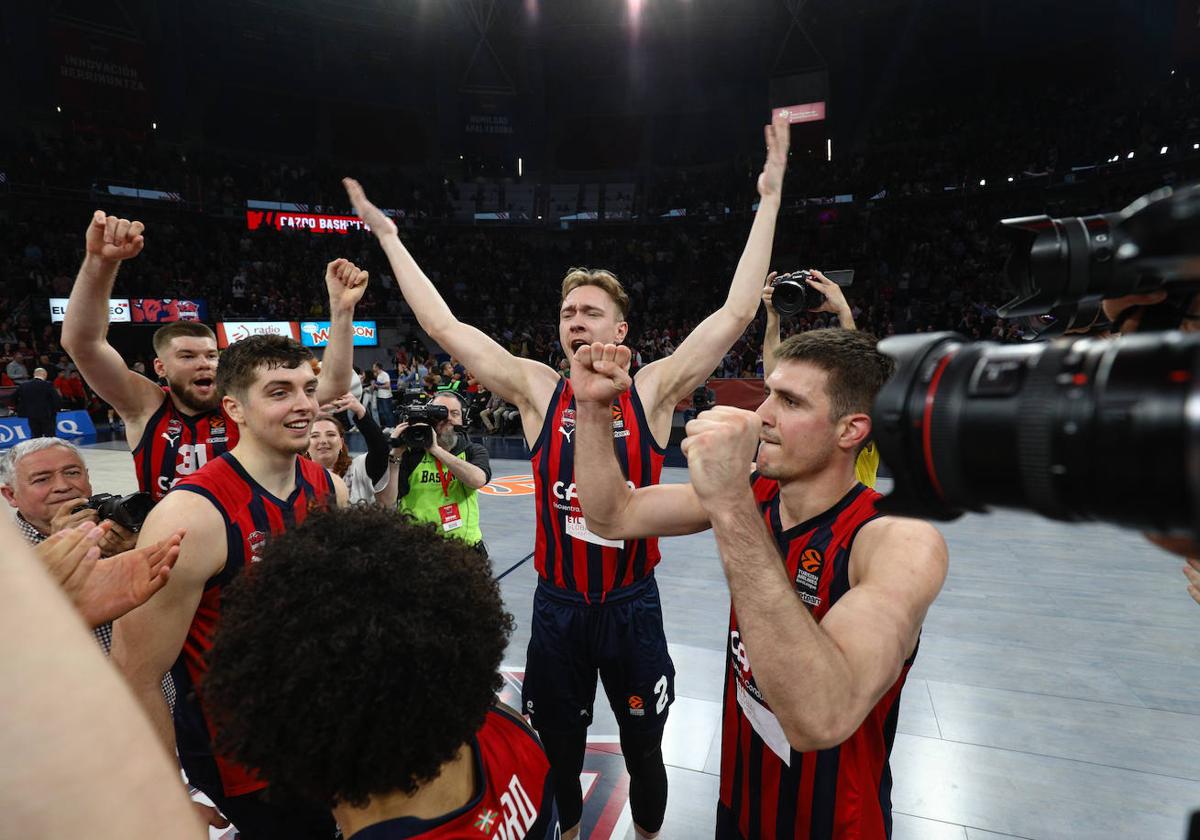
(114, 239)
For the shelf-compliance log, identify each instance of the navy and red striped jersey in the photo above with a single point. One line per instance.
(514, 799)
(566, 553)
(251, 515)
(175, 445)
(768, 790)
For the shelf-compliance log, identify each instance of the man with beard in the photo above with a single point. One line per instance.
(439, 483)
(174, 431)
(250, 493)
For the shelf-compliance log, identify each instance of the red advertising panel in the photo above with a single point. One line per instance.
(311, 222)
(100, 72)
(808, 112)
(165, 310)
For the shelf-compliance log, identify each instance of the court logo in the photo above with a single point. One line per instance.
(509, 485)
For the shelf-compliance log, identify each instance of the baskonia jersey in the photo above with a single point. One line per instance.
(566, 553)
(175, 445)
(768, 790)
(514, 799)
(251, 516)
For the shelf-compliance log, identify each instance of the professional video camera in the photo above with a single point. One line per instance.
(1074, 429)
(127, 511)
(793, 294)
(1063, 269)
(421, 418)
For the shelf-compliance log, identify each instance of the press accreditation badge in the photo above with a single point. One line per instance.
(451, 518)
(765, 724)
(577, 528)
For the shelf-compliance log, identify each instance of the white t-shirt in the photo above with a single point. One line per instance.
(383, 386)
(359, 483)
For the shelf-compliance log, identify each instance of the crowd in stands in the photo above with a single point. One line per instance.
(925, 259)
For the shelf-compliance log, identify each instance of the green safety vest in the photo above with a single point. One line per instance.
(427, 495)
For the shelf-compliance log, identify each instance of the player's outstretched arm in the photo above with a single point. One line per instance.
(613, 510)
(109, 241)
(523, 382)
(147, 641)
(69, 722)
(346, 284)
(662, 384)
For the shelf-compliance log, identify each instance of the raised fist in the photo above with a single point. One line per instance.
(110, 238)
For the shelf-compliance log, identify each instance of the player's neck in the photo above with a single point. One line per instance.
(802, 499)
(275, 471)
(454, 787)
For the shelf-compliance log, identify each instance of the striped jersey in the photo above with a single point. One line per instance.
(175, 445)
(566, 553)
(768, 790)
(514, 798)
(251, 515)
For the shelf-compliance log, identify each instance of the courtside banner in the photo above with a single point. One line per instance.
(316, 334)
(165, 310)
(808, 112)
(118, 310)
(230, 331)
(310, 222)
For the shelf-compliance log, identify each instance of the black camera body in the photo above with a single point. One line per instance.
(421, 418)
(793, 294)
(127, 511)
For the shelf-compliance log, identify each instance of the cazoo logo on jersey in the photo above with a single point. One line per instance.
(567, 493)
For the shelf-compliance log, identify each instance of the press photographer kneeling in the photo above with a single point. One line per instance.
(437, 469)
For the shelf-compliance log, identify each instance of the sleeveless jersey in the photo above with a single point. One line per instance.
(515, 799)
(175, 445)
(566, 553)
(767, 788)
(251, 515)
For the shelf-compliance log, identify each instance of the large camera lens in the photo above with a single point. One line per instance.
(1062, 269)
(1075, 429)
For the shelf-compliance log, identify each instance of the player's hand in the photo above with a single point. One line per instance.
(720, 446)
(378, 221)
(600, 372)
(127, 580)
(835, 299)
(346, 402)
(779, 138)
(70, 514)
(116, 540)
(768, 294)
(346, 283)
(114, 239)
(70, 555)
(1192, 572)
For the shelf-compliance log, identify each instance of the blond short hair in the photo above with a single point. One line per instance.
(601, 278)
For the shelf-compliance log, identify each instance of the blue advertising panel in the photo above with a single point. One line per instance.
(316, 334)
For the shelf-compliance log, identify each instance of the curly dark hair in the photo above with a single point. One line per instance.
(240, 362)
(357, 657)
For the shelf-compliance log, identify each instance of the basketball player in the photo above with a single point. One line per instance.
(230, 508)
(828, 596)
(174, 431)
(389, 718)
(597, 606)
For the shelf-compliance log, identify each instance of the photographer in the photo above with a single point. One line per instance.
(436, 471)
(366, 475)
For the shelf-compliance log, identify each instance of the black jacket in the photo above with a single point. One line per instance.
(37, 398)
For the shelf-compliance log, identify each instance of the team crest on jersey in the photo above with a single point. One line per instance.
(256, 540)
(566, 425)
(174, 429)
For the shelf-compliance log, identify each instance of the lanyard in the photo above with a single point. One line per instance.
(446, 478)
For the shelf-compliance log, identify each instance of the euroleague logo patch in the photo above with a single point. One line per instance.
(636, 707)
(810, 561)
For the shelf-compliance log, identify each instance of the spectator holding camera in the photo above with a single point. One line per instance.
(437, 471)
(366, 475)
